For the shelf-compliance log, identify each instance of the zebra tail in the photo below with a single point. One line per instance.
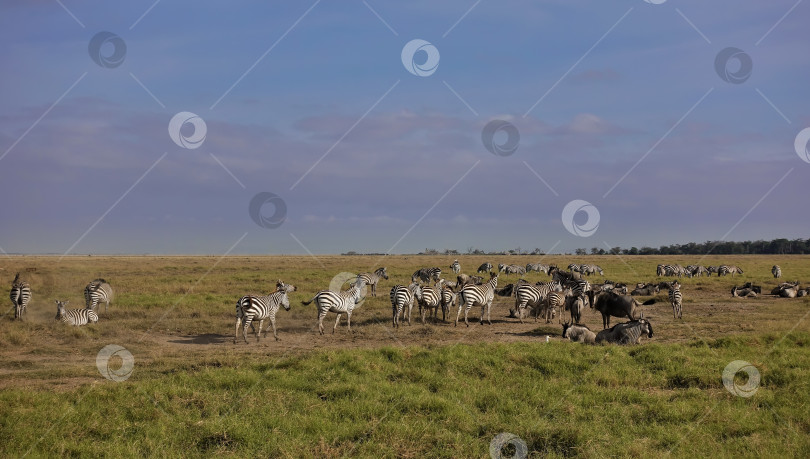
(306, 303)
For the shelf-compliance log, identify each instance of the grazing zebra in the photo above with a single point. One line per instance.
(456, 267)
(431, 300)
(728, 269)
(626, 333)
(427, 274)
(251, 307)
(98, 291)
(337, 302)
(402, 296)
(20, 295)
(477, 295)
(776, 271)
(578, 333)
(676, 299)
(74, 316)
(371, 279)
(532, 295)
(539, 267)
(591, 269)
(485, 267)
(514, 269)
(712, 269)
(553, 301)
(699, 271)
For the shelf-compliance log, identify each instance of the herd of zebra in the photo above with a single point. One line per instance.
(698, 271)
(96, 292)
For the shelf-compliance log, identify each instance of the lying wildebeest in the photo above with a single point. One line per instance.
(743, 292)
(578, 333)
(507, 290)
(787, 290)
(646, 290)
(626, 333)
(613, 304)
(755, 288)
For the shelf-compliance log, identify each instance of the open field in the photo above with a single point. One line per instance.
(434, 390)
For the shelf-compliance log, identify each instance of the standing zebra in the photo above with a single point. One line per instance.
(532, 295)
(456, 267)
(431, 300)
(676, 299)
(776, 271)
(337, 302)
(251, 307)
(728, 269)
(74, 316)
(98, 291)
(591, 269)
(553, 301)
(401, 296)
(20, 295)
(371, 279)
(482, 295)
(426, 274)
(448, 300)
(485, 267)
(539, 267)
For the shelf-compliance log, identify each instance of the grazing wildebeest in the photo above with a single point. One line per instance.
(613, 304)
(626, 333)
(578, 333)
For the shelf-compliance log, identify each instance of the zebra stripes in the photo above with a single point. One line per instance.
(371, 279)
(430, 301)
(20, 295)
(728, 269)
(591, 269)
(626, 333)
(672, 270)
(539, 267)
(532, 295)
(511, 269)
(676, 299)
(251, 307)
(776, 271)
(456, 267)
(401, 296)
(477, 295)
(553, 301)
(427, 274)
(98, 291)
(75, 317)
(337, 302)
(448, 300)
(485, 267)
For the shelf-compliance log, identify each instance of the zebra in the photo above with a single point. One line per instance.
(485, 267)
(539, 267)
(251, 307)
(626, 333)
(712, 269)
(512, 269)
(448, 300)
(532, 295)
(578, 333)
(337, 302)
(553, 301)
(98, 291)
(371, 279)
(776, 271)
(477, 295)
(20, 295)
(431, 300)
(728, 269)
(401, 296)
(74, 316)
(676, 299)
(574, 268)
(591, 269)
(456, 267)
(699, 271)
(426, 274)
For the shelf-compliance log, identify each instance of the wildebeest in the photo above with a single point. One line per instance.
(787, 290)
(485, 267)
(464, 279)
(575, 305)
(646, 290)
(626, 333)
(578, 333)
(613, 304)
(742, 292)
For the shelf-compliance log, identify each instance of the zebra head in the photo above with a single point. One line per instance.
(382, 272)
(416, 290)
(60, 308)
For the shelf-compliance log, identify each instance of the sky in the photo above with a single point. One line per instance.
(294, 127)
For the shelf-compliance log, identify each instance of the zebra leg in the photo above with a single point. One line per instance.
(422, 312)
(321, 316)
(489, 311)
(273, 324)
(259, 331)
(349, 320)
(236, 332)
(458, 313)
(337, 321)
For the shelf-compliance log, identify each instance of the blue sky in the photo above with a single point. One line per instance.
(597, 90)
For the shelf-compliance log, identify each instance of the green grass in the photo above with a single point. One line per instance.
(450, 401)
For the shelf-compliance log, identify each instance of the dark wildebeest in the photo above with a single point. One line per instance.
(613, 304)
(646, 290)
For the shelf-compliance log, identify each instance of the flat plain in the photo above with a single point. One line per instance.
(434, 390)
